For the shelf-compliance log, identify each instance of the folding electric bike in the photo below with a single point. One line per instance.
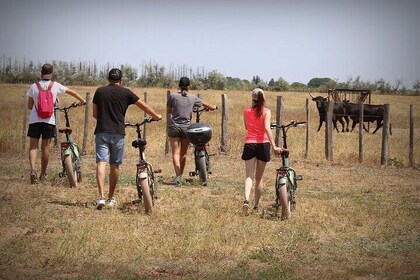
(70, 152)
(286, 175)
(145, 179)
(199, 135)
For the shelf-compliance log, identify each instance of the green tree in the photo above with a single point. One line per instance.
(383, 86)
(416, 86)
(296, 86)
(216, 80)
(283, 85)
(318, 82)
(256, 79)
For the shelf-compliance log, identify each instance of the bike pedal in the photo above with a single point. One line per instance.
(192, 174)
(299, 177)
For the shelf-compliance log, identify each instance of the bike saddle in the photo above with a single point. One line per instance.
(139, 143)
(64, 130)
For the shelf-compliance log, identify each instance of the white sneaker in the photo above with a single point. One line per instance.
(111, 202)
(100, 203)
(178, 180)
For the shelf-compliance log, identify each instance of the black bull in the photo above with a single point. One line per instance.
(371, 113)
(342, 111)
(339, 112)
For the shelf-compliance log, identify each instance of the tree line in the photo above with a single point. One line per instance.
(148, 74)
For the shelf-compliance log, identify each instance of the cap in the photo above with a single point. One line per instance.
(184, 82)
(255, 93)
(115, 74)
(47, 71)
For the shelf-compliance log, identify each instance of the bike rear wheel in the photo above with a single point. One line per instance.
(143, 190)
(202, 169)
(70, 170)
(283, 194)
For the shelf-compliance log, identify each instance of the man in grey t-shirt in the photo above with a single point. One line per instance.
(180, 106)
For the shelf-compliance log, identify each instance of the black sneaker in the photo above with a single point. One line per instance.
(34, 179)
(245, 207)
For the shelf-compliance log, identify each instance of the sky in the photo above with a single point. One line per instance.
(297, 40)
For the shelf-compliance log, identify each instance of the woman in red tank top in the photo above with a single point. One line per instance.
(258, 140)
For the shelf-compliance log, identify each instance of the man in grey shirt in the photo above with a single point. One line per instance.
(180, 106)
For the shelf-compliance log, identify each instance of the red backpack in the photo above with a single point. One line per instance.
(45, 106)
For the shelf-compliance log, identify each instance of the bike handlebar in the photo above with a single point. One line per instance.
(73, 105)
(146, 120)
(201, 109)
(293, 123)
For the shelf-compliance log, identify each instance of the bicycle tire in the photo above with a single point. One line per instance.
(70, 170)
(289, 205)
(291, 190)
(79, 177)
(138, 187)
(152, 185)
(202, 169)
(143, 191)
(278, 205)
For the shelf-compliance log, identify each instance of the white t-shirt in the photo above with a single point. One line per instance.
(57, 90)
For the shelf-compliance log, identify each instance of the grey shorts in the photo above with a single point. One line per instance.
(177, 131)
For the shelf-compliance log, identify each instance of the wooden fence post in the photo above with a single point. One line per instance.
(385, 136)
(145, 115)
(25, 110)
(168, 116)
(328, 131)
(279, 118)
(411, 142)
(361, 116)
(307, 127)
(87, 117)
(224, 136)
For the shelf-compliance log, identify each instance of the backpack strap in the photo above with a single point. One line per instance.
(38, 85)
(49, 87)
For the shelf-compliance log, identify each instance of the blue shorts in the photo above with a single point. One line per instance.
(109, 147)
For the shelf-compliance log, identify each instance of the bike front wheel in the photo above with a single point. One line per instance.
(152, 185)
(79, 176)
(70, 170)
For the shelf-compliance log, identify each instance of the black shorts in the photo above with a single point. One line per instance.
(46, 130)
(259, 150)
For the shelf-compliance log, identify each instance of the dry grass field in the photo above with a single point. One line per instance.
(353, 220)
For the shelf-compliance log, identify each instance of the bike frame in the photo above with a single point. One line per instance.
(69, 147)
(142, 165)
(200, 150)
